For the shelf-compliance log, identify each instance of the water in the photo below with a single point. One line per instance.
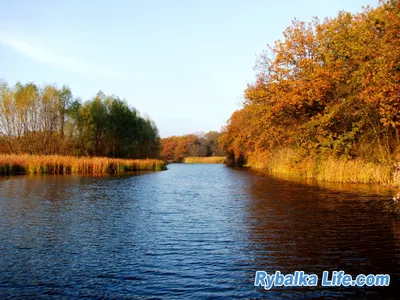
(192, 232)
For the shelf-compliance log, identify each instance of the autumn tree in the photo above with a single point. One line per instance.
(176, 148)
(329, 87)
(48, 120)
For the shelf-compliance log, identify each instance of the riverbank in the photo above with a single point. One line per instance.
(204, 160)
(326, 168)
(57, 164)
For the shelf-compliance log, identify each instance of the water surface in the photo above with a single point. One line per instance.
(194, 231)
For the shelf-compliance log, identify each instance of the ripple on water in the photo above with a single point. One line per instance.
(194, 231)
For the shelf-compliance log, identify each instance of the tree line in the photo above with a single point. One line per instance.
(330, 87)
(50, 120)
(176, 148)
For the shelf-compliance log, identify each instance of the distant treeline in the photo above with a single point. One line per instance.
(49, 120)
(328, 89)
(176, 148)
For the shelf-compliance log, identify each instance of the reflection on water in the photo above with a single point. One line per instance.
(194, 231)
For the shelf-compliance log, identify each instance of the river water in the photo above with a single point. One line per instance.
(192, 232)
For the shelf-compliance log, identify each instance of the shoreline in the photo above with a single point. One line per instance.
(388, 206)
(291, 162)
(204, 160)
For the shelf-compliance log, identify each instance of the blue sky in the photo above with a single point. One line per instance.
(185, 64)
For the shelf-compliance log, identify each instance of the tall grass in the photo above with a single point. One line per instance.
(55, 164)
(326, 168)
(356, 170)
(204, 160)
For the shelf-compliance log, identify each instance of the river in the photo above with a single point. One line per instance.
(191, 232)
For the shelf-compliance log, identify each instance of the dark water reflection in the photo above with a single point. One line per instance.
(194, 231)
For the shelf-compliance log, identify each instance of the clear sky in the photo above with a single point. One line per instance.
(183, 63)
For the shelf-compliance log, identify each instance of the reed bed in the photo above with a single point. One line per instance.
(326, 168)
(204, 160)
(11, 164)
(356, 170)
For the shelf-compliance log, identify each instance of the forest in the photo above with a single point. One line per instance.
(45, 120)
(326, 95)
(177, 148)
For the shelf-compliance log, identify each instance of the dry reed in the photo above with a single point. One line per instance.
(55, 164)
(204, 160)
(326, 168)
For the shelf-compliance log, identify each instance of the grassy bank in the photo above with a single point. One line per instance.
(326, 168)
(204, 160)
(55, 164)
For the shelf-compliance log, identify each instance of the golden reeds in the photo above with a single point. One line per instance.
(56, 164)
(204, 160)
(355, 170)
(326, 168)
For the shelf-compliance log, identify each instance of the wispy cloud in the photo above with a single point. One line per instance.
(57, 60)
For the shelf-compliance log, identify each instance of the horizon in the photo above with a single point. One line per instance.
(185, 65)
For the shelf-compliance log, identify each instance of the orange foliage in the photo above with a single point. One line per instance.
(328, 87)
(175, 148)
